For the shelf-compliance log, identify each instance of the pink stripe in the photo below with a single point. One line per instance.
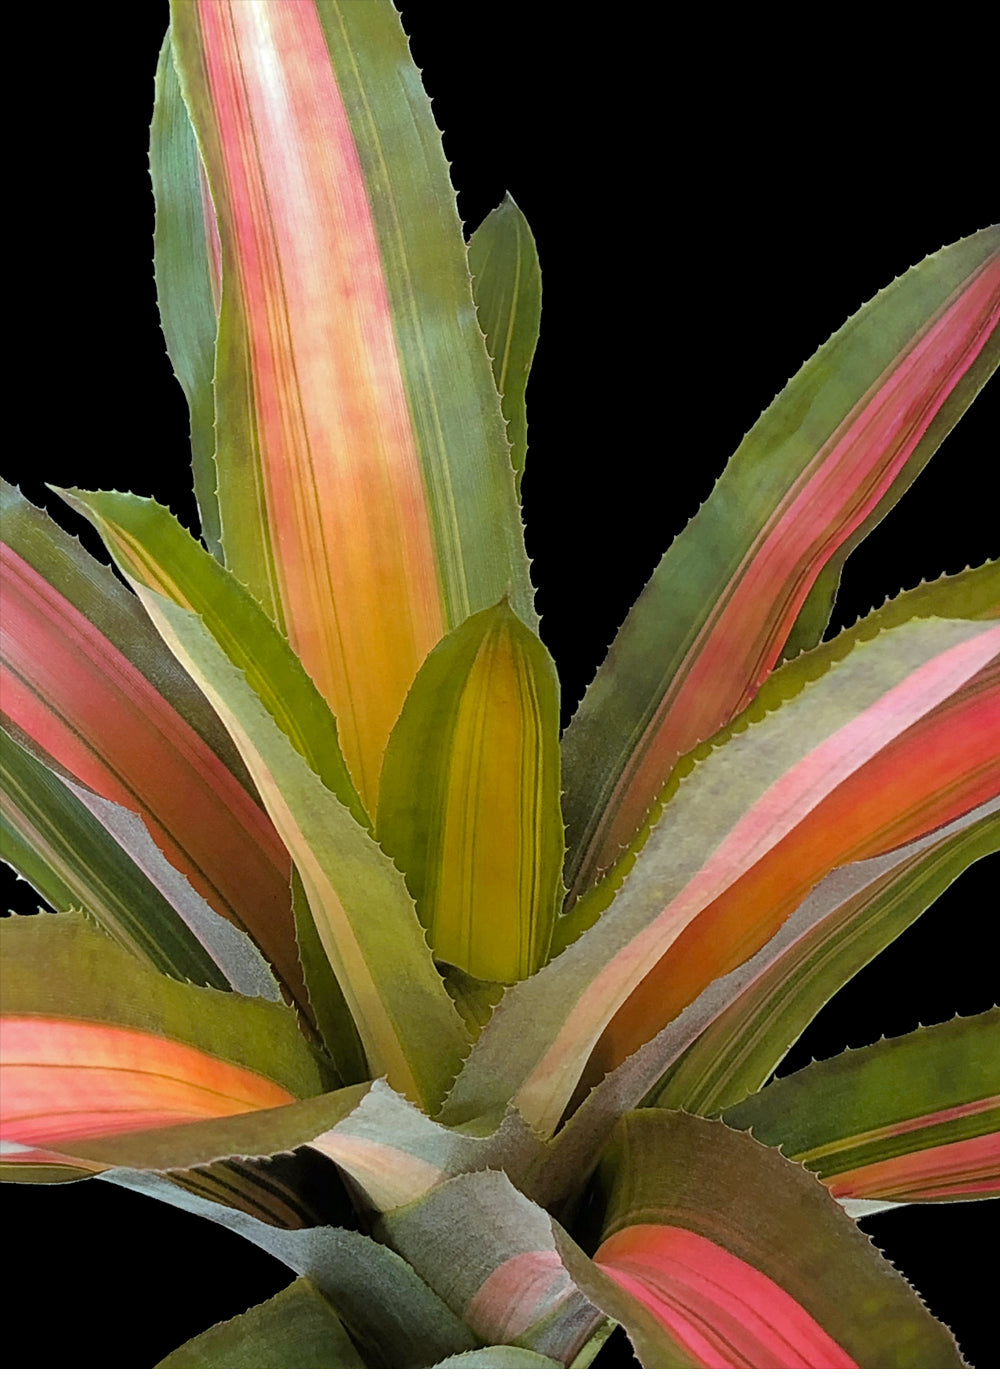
(967, 1168)
(518, 1293)
(722, 1310)
(743, 636)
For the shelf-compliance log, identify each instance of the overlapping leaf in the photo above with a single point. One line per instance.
(740, 1259)
(759, 563)
(916, 1118)
(759, 821)
(470, 797)
(364, 479)
(89, 684)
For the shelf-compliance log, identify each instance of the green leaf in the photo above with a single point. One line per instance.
(331, 1014)
(469, 805)
(297, 1329)
(733, 841)
(98, 1048)
(491, 1254)
(742, 1258)
(507, 287)
(185, 263)
(394, 1318)
(365, 486)
(154, 549)
(499, 1359)
(364, 915)
(820, 467)
(916, 1118)
(849, 918)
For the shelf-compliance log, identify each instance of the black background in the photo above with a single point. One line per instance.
(706, 215)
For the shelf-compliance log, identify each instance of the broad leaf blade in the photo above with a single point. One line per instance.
(364, 915)
(95, 1043)
(365, 486)
(820, 467)
(829, 778)
(742, 1258)
(297, 1329)
(470, 797)
(491, 1254)
(186, 261)
(850, 917)
(89, 683)
(394, 1318)
(507, 286)
(916, 1118)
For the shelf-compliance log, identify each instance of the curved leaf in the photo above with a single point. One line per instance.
(469, 807)
(742, 1260)
(499, 1359)
(89, 683)
(297, 1329)
(916, 1118)
(365, 486)
(364, 915)
(507, 287)
(829, 779)
(829, 457)
(850, 917)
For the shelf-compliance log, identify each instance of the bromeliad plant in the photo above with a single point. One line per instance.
(329, 889)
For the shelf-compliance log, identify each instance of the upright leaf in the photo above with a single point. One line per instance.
(365, 487)
(821, 466)
(507, 286)
(470, 797)
(742, 1260)
(186, 261)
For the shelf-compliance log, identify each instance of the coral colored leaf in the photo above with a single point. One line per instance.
(830, 778)
(469, 808)
(365, 487)
(742, 1260)
(364, 915)
(736, 1031)
(185, 258)
(61, 848)
(911, 1119)
(297, 1329)
(821, 466)
(97, 1044)
(89, 683)
(507, 286)
(394, 1318)
(850, 917)
(491, 1254)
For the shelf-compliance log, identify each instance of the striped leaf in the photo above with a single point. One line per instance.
(507, 286)
(850, 917)
(96, 1045)
(297, 1329)
(365, 487)
(470, 797)
(832, 777)
(740, 1259)
(911, 1119)
(756, 570)
(90, 685)
(363, 913)
(491, 1254)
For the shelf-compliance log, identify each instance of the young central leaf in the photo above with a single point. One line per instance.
(470, 797)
